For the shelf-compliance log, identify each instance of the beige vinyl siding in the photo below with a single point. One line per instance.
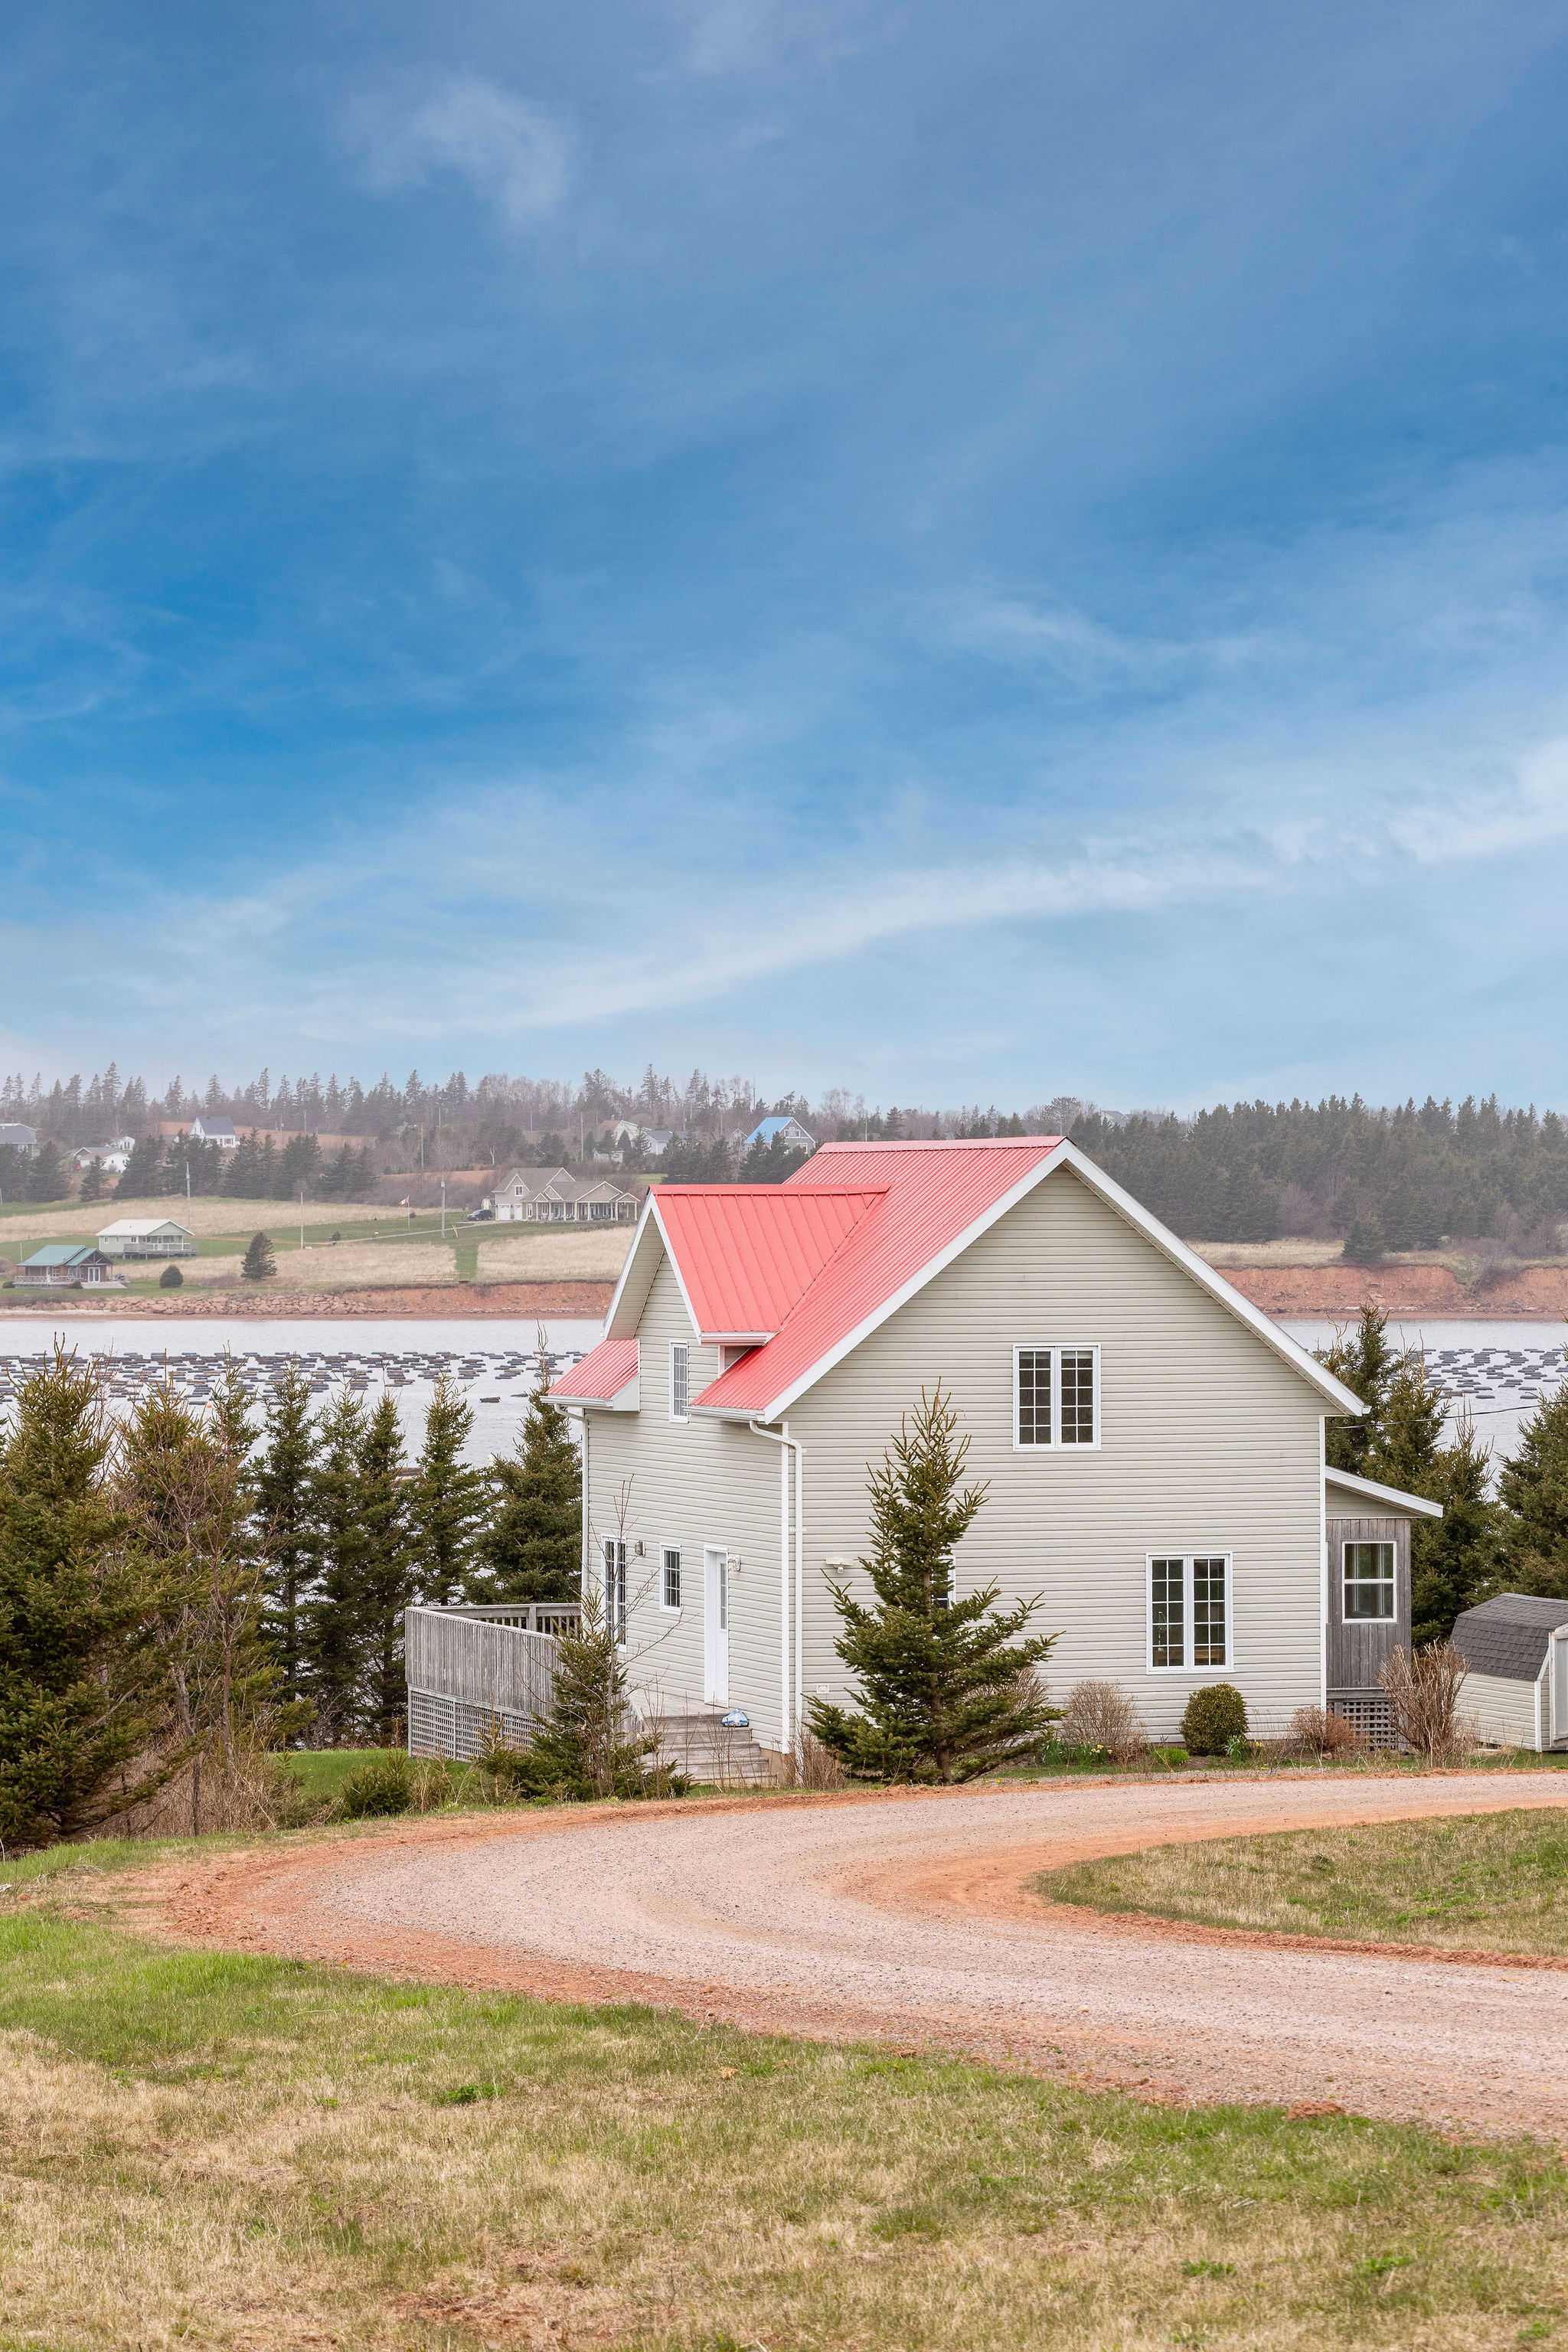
(1502, 1711)
(1209, 1443)
(692, 1484)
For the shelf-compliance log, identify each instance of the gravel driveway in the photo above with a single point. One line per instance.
(906, 1918)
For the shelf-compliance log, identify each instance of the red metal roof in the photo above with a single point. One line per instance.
(898, 1206)
(601, 1374)
(747, 1254)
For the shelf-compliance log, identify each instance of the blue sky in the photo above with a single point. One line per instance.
(955, 552)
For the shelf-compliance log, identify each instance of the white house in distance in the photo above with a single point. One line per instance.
(19, 1138)
(539, 1196)
(147, 1237)
(789, 1132)
(1153, 1442)
(214, 1130)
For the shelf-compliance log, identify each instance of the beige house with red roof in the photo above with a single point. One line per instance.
(1153, 1442)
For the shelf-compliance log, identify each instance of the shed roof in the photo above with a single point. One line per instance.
(1389, 1501)
(1508, 1636)
(62, 1253)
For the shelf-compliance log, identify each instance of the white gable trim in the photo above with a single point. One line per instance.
(640, 1245)
(1337, 1398)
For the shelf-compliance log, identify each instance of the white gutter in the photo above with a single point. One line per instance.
(789, 1716)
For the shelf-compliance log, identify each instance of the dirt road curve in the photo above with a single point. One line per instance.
(906, 1918)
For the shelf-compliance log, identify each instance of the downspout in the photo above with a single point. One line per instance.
(782, 1439)
(1323, 1561)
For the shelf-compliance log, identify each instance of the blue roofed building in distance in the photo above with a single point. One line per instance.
(788, 1132)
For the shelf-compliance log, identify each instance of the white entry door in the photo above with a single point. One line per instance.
(716, 1628)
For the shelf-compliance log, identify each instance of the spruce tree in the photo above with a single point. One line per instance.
(335, 1640)
(285, 1515)
(1365, 1361)
(947, 1687)
(449, 1497)
(91, 1181)
(585, 1749)
(1457, 1559)
(1534, 1491)
(143, 1170)
(531, 1548)
(387, 1566)
(258, 1261)
(82, 1680)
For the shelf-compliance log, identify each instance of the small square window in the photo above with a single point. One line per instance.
(1369, 1582)
(679, 1381)
(670, 1578)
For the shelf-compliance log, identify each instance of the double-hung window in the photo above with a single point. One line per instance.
(679, 1381)
(1189, 1609)
(616, 1587)
(1056, 1397)
(1369, 1582)
(670, 1578)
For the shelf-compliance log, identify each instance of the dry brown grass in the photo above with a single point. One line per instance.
(210, 1215)
(1493, 1882)
(582, 1254)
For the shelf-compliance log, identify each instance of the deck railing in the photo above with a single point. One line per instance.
(474, 1673)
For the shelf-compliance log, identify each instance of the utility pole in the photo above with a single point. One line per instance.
(187, 1189)
(443, 1208)
(301, 1216)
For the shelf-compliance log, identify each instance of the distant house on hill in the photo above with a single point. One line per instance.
(214, 1130)
(538, 1196)
(146, 1237)
(625, 1135)
(787, 1131)
(64, 1266)
(19, 1139)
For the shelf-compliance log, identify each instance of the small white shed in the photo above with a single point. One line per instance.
(1516, 1647)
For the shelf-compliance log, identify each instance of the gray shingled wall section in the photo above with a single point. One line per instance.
(1508, 1637)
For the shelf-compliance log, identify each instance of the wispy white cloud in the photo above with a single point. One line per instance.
(517, 155)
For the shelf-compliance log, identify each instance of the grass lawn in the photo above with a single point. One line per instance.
(322, 1771)
(1485, 1880)
(233, 2151)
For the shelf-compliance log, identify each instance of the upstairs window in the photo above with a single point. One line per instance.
(1189, 1609)
(1369, 1583)
(1056, 1397)
(679, 1381)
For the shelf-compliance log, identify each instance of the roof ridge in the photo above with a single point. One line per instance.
(933, 1143)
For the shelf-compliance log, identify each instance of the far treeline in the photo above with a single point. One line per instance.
(1409, 1177)
(192, 1584)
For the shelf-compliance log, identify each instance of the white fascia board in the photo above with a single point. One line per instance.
(1415, 1506)
(737, 1338)
(640, 1243)
(1335, 1395)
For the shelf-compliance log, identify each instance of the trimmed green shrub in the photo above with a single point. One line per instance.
(1215, 1716)
(170, 1279)
(382, 1786)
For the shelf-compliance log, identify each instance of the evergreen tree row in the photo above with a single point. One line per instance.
(181, 1583)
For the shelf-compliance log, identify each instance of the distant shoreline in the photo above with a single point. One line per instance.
(444, 1302)
(1528, 1294)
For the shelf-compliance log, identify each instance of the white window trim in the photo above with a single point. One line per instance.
(1227, 1665)
(617, 1565)
(1057, 1348)
(686, 1346)
(1357, 1543)
(679, 1552)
